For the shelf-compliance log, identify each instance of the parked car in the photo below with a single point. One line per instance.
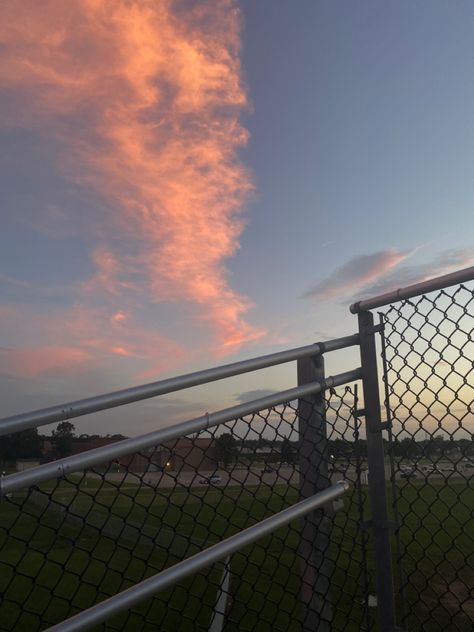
(408, 474)
(212, 480)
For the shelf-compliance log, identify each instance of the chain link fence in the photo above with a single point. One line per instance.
(134, 510)
(428, 351)
(71, 542)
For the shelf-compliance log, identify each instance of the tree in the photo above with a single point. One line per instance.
(62, 438)
(287, 451)
(341, 448)
(466, 446)
(360, 448)
(408, 448)
(20, 445)
(226, 448)
(437, 446)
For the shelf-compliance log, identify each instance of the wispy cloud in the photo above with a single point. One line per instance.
(370, 275)
(442, 263)
(24, 285)
(143, 101)
(33, 361)
(78, 338)
(358, 272)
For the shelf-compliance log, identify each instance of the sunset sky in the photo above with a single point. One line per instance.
(189, 183)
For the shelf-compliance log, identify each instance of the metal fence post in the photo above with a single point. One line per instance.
(315, 527)
(377, 487)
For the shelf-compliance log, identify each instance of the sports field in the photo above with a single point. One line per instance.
(65, 547)
(437, 554)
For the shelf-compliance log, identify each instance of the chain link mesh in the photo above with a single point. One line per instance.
(428, 353)
(72, 542)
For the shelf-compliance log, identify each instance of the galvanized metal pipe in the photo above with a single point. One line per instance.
(171, 576)
(63, 412)
(431, 285)
(316, 609)
(106, 453)
(386, 613)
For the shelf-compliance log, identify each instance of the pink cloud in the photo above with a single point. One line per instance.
(380, 272)
(82, 338)
(144, 101)
(357, 273)
(119, 318)
(34, 361)
(443, 263)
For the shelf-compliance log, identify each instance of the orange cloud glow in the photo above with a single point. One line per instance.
(119, 318)
(34, 361)
(80, 339)
(144, 100)
(129, 338)
(122, 351)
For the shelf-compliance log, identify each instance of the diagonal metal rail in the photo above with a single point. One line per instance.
(63, 412)
(77, 462)
(417, 289)
(171, 576)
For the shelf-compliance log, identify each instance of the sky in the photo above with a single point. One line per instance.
(190, 183)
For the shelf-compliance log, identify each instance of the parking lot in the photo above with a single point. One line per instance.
(285, 475)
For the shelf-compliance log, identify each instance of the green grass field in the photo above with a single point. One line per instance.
(437, 537)
(62, 551)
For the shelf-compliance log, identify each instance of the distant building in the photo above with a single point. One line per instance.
(186, 454)
(183, 455)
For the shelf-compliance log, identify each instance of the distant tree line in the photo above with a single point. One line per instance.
(229, 449)
(27, 443)
(20, 445)
(437, 446)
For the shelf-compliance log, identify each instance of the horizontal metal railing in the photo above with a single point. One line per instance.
(417, 289)
(171, 576)
(25, 480)
(97, 456)
(63, 412)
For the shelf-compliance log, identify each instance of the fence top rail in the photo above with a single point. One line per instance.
(430, 285)
(111, 451)
(63, 412)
